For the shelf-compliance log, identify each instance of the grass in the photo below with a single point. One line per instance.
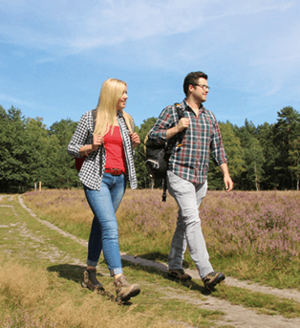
(263, 303)
(146, 225)
(249, 235)
(53, 297)
(39, 290)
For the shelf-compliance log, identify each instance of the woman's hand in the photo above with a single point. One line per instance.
(97, 142)
(135, 139)
(87, 149)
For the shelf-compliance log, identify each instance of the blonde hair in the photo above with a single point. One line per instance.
(111, 92)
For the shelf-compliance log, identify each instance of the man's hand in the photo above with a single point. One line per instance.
(227, 179)
(228, 182)
(183, 124)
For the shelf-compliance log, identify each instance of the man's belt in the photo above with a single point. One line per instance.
(113, 171)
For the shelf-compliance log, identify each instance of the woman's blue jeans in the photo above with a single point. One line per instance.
(104, 232)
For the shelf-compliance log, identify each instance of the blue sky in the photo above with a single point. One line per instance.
(55, 55)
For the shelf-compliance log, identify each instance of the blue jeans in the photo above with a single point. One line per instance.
(104, 232)
(188, 230)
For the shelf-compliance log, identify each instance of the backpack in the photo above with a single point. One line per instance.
(79, 161)
(158, 155)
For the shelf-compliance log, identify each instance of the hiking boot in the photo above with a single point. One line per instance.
(179, 274)
(90, 281)
(212, 279)
(125, 290)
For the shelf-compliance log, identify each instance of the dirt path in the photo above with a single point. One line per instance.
(236, 316)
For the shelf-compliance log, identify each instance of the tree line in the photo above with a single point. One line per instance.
(263, 157)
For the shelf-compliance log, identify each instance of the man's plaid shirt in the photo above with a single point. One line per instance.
(190, 156)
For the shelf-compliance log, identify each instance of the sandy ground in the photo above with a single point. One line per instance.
(236, 315)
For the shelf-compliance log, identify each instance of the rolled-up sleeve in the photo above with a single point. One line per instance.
(79, 137)
(217, 147)
(164, 122)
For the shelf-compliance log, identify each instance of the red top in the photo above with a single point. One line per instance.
(115, 154)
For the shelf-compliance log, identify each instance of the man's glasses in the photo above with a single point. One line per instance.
(203, 86)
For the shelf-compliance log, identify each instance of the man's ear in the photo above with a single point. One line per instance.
(191, 88)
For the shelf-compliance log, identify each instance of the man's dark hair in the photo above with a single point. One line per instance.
(192, 78)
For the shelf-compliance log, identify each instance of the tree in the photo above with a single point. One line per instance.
(65, 174)
(286, 130)
(37, 142)
(30, 153)
(265, 157)
(234, 153)
(265, 135)
(253, 157)
(294, 159)
(144, 180)
(14, 155)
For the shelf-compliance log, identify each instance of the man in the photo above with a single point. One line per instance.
(197, 133)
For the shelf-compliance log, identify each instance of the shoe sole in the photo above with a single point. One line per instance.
(176, 276)
(99, 288)
(214, 283)
(131, 293)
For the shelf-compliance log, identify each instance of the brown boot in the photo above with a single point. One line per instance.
(90, 281)
(125, 290)
(179, 274)
(212, 279)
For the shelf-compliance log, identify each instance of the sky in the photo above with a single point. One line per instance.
(55, 55)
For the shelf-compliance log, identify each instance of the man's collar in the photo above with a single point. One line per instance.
(186, 106)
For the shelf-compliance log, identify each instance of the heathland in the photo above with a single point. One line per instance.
(251, 236)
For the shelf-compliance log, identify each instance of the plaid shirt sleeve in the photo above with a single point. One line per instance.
(216, 144)
(167, 119)
(90, 173)
(82, 136)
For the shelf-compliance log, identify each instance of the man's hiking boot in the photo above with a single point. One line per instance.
(212, 279)
(179, 274)
(90, 281)
(125, 290)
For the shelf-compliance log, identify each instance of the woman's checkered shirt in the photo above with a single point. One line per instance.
(91, 173)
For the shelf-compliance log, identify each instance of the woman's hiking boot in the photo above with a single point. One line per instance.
(212, 279)
(125, 290)
(90, 281)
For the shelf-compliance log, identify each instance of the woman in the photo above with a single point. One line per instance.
(108, 144)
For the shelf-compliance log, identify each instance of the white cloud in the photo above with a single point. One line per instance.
(244, 8)
(13, 100)
(249, 40)
(75, 26)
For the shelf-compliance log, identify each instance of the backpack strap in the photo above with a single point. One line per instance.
(179, 110)
(94, 113)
